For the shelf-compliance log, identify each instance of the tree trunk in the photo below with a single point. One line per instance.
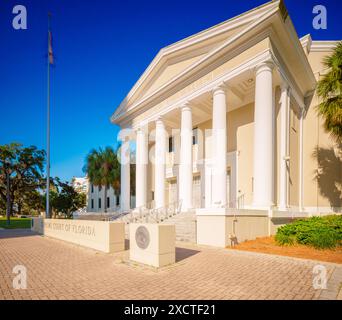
(19, 207)
(8, 205)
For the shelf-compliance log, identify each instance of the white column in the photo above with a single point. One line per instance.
(284, 144)
(263, 137)
(185, 168)
(219, 172)
(125, 176)
(141, 168)
(159, 176)
(301, 158)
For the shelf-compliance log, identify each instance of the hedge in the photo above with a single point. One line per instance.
(318, 232)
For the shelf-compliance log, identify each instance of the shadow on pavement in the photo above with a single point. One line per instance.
(184, 253)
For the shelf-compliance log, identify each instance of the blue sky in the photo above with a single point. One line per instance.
(101, 48)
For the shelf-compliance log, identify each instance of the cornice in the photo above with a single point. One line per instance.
(323, 46)
(317, 45)
(306, 42)
(222, 27)
(288, 78)
(299, 48)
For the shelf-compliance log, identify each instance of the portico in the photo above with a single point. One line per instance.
(218, 119)
(178, 152)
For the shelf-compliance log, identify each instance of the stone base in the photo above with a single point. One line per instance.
(211, 228)
(220, 227)
(152, 244)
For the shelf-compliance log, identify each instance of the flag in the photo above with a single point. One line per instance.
(50, 48)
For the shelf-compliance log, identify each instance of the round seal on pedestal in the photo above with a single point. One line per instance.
(142, 237)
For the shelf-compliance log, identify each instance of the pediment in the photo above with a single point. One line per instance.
(174, 60)
(174, 64)
(170, 69)
(179, 64)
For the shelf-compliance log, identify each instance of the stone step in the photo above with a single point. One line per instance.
(185, 224)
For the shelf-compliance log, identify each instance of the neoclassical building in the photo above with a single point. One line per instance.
(226, 118)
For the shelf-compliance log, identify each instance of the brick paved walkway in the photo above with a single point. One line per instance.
(58, 270)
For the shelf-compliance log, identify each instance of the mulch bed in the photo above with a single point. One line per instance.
(269, 245)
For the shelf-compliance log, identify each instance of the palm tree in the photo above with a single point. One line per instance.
(103, 169)
(330, 91)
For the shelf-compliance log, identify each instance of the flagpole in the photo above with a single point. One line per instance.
(47, 213)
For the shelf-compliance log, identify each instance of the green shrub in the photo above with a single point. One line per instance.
(319, 232)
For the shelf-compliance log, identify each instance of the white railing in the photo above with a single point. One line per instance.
(139, 214)
(81, 211)
(115, 215)
(99, 215)
(134, 215)
(155, 215)
(158, 215)
(238, 203)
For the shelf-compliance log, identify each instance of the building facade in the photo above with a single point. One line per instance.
(97, 200)
(80, 184)
(227, 119)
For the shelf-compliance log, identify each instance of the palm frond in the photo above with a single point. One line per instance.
(329, 89)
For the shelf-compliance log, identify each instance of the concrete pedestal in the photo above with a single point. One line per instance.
(153, 244)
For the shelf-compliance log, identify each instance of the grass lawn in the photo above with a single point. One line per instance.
(16, 223)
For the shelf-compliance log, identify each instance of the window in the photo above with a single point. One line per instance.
(92, 188)
(92, 203)
(152, 195)
(99, 203)
(171, 144)
(117, 200)
(100, 188)
(195, 136)
(108, 202)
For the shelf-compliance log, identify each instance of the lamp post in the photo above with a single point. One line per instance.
(49, 62)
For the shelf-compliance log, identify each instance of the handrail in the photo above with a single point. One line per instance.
(81, 211)
(239, 203)
(142, 213)
(163, 213)
(154, 215)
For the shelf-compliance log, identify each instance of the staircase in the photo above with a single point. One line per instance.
(185, 223)
(185, 226)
